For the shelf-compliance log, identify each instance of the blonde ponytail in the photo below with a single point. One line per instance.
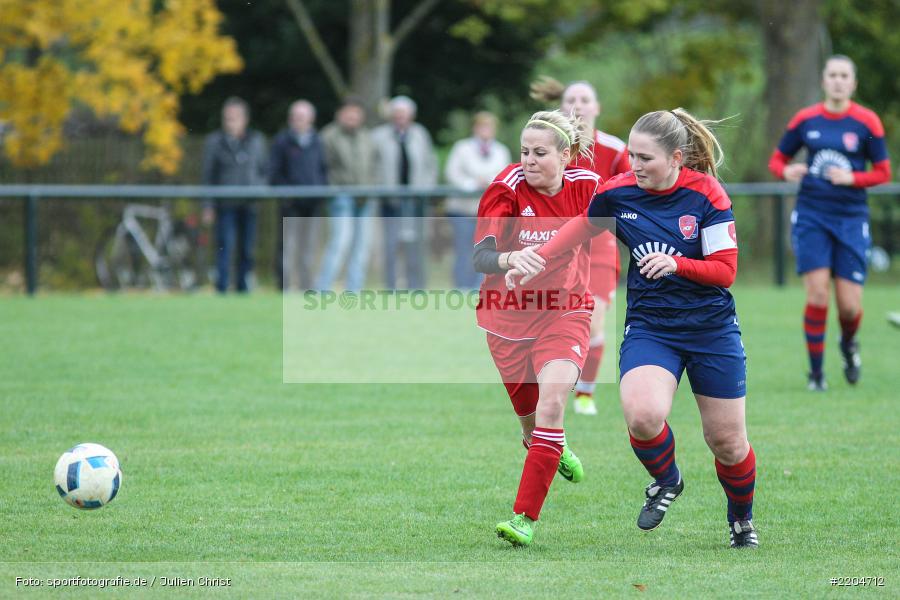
(548, 90)
(678, 129)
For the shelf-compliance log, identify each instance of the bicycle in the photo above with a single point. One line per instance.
(171, 257)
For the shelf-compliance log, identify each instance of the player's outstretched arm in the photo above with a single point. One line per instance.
(574, 233)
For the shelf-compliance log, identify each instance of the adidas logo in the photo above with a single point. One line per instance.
(528, 212)
(577, 350)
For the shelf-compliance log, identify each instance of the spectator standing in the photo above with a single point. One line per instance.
(471, 165)
(350, 158)
(404, 156)
(234, 155)
(298, 158)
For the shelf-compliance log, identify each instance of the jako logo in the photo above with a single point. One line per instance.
(535, 237)
(630, 216)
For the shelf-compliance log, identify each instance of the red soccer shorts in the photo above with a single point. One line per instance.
(520, 362)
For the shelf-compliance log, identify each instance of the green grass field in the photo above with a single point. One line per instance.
(390, 490)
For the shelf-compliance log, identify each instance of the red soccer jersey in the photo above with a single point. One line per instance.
(610, 157)
(517, 216)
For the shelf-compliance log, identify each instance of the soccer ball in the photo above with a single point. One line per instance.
(88, 476)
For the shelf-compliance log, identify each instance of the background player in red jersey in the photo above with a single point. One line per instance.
(608, 157)
(538, 349)
(830, 225)
(675, 218)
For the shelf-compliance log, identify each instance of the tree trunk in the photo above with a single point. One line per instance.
(793, 33)
(371, 52)
(372, 47)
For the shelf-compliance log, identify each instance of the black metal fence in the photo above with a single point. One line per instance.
(31, 195)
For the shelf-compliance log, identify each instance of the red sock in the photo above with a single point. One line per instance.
(539, 470)
(849, 327)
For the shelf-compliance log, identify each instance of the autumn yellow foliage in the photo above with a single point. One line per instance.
(124, 59)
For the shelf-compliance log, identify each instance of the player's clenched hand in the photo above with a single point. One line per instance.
(527, 261)
(656, 265)
(839, 176)
(511, 277)
(794, 172)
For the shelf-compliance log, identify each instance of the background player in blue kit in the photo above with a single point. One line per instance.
(830, 226)
(676, 220)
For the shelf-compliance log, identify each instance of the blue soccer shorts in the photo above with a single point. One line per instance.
(715, 360)
(830, 241)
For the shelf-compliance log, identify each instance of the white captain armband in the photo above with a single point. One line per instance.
(720, 236)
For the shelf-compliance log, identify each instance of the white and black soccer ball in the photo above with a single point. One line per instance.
(88, 476)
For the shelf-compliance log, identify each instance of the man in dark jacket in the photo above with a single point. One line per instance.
(298, 158)
(234, 155)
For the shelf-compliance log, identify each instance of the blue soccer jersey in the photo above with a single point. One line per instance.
(692, 219)
(845, 140)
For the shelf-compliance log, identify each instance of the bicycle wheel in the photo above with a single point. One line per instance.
(181, 257)
(118, 262)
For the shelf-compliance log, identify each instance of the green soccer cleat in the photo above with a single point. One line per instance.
(584, 405)
(518, 531)
(570, 466)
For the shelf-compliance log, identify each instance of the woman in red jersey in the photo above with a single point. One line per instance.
(608, 158)
(675, 218)
(538, 337)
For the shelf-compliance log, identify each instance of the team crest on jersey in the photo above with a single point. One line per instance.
(851, 141)
(732, 232)
(687, 225)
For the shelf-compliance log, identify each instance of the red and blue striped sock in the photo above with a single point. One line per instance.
(540, 468)
(814, 318)
(738, 481)
(849, 327)
(658, 456)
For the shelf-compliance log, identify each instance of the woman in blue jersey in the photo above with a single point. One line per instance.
(830, 226)
(676, 220)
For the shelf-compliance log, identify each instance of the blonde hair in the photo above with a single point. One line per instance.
(569, 132)
(679, 130)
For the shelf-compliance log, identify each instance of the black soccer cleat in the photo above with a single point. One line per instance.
(743, 534)
(816, 382)
(659, 498)
(852, 361)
